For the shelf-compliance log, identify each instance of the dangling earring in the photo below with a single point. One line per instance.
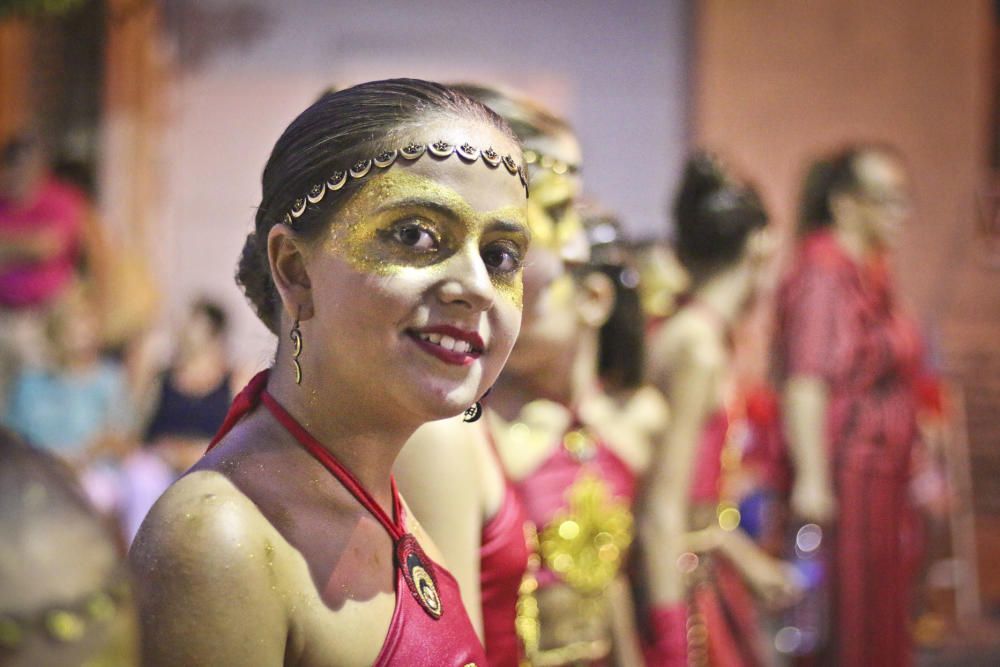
(475, 411)
(296, 337)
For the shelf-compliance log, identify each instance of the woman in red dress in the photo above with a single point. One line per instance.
(563, 441)
(487, 544)
(386, 256)
(848, 359)
(699, 567)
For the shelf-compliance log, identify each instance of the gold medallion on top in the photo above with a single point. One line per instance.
(585, 543)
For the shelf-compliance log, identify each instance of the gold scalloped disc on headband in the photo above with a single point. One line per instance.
(412, 151)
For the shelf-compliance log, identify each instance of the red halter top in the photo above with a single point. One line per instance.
(429, 626)
(545, 490)
(503, 559)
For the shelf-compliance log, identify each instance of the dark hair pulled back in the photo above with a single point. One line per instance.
(339, 129)
(714, 214)
(621, 356)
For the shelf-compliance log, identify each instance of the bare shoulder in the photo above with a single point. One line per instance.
(444, 440)
(204, 568)
(648, 410)
(202, 517)
(687, 340)
(439, 467)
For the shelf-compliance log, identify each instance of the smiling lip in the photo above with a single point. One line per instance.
(449, 344)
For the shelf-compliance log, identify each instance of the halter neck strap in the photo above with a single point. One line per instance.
(242, 405)
(342, 474)
(254, 394)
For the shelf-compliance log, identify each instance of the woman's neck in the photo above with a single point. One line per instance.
(201, 369)
(365, 437)
(853, 241)
(725, 293)
(565, 381)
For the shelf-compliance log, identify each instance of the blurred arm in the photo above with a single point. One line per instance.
(805, 408)
(438, 475)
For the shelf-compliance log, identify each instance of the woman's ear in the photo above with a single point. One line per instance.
(596, 299)
(286, 255)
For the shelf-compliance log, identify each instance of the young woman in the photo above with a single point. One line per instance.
(569, 619)
(690, 541)
(562, 440)
(387, 255)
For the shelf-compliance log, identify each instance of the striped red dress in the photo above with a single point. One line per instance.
(837, 321)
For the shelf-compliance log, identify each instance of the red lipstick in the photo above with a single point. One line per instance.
(449, 344)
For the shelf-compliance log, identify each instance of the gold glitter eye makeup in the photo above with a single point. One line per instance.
(417, 235)
(502, 257)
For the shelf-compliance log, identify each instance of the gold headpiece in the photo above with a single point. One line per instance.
(548, 162)
(412, 151)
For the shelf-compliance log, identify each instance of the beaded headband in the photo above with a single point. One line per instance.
(412, 151)
(548, 162)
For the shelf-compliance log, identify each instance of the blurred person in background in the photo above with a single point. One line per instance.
(189, 399)
(77, 404)
(622, 358)
(848, 357)
(699, 566)
(663, 282)
(562, 441)
(64, 593)
(187, 404)
(468, 503)
(41, 227)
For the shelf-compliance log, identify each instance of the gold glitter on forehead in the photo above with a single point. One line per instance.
(358, 230)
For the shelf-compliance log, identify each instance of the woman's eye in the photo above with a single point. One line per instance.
(502, 258)
(415, 236)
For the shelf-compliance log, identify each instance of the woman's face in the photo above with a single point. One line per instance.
(883, 198)
(75, 328)
(417, 286)
(196, 334)
(559, 242)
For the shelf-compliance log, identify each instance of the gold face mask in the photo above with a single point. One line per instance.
(555, 223)
(401, 222)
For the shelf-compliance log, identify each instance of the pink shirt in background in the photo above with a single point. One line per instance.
(57, 208)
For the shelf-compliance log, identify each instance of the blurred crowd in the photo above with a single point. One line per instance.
(82, 377)
(785, 506)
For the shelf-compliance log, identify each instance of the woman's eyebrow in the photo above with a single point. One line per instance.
(420, 202)
(510, 226)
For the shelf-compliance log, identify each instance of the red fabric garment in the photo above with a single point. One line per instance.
(837, 320)
(57, 209)
(415, 637)
(669, 631)
(722, 598)
(544, 490)
(730, 616)
(707, 473)
(503, 557)
(766, 452)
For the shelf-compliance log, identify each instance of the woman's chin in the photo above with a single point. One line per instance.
(445, 400)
